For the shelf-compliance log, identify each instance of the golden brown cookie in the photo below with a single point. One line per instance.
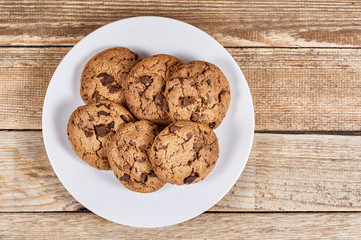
(128, 156)
(145, 87)
(90, 128)
(104, 75)
(184, 153)
(198, 92)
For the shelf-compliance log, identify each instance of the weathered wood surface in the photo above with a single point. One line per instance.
(206, 226)
(233, 23)
(284, 173)
(292, 89)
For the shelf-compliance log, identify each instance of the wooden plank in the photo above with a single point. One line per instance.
(285, 172)
(293, 89)
(287, 23)
(205, 226)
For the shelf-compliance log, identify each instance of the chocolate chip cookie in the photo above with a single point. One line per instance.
(103, 77)
(128, 156)
(90, 128)
(184, 153)
(198, 92)
(145, 87)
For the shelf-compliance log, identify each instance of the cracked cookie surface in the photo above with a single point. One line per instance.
(128, 156)
(90, 128)
(103, 77)
(145, 87)
(198, 92)
(184, 153)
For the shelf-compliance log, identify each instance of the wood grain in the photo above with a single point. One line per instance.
(292, 89)
(233, 23)
(284, 173)
(205, 226)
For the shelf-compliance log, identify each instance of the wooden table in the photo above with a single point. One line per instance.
(302, 61)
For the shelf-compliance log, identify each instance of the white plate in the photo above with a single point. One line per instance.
(100, 191)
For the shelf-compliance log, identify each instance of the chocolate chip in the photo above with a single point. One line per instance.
(146, 80)
(165, 105)
(204, 101)
(88, 133)
(111, 125)
(143, 147)
(137, 128)
(105, 78)
(96, 95)
(124, 178)
(189, 135)
(143, 177)
(101, 130)
(152, 174)
(181, 80)
(223, 92)
(191, 178)
(209, 82)
(124, 118)
(119, 167)
(205, 132)
(212, 124)
(195, 156)
(197, 146)
(140, 93)
(194, 117)
(103, 113)
(113, 88)
(170, 89)
(189, 162)
(139, 159)
(159, 99)
(193, 83)
(197, 110)
(80, 121)
(174, 128)
(126, 166)
(131, 142)
(185, 101)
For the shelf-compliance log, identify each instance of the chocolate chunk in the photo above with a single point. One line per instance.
(212, 124)
(131, 142)
(143, 177)
(191, 178)
(205, 132)
(185, 101)
(113, 88)
(197, 146)
(96, 95)
(139, 159)
(146, 80)
(111, 125)
(88, 133)
(194, 117)
(165, 105)
(143, 147)
(209, 82)
(101, 130)
(152, 174)
(189, 162)
(189, 135)
(124, 178)
(223, 92)
(159, 99)
(103, 113)
(174, 128)
(124, 118)
(105, 78)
